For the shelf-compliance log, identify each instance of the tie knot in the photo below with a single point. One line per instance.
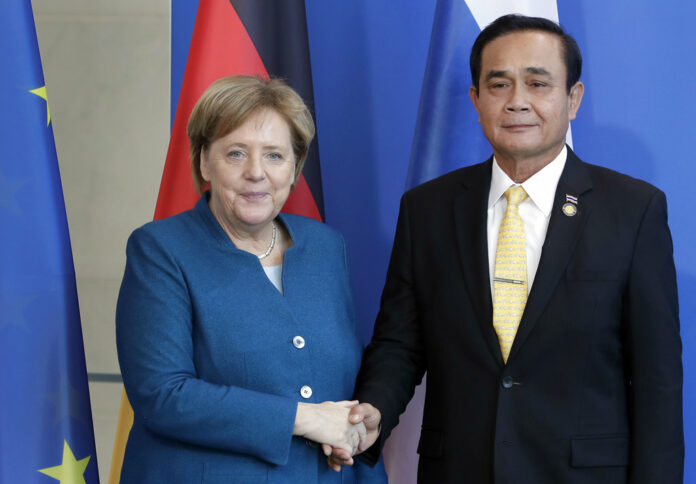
(515, 195)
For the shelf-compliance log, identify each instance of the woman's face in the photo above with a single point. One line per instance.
(250, 171)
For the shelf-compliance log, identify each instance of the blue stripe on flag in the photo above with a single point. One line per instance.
(448, 135)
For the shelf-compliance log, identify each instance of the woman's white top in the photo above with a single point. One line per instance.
(275, 275)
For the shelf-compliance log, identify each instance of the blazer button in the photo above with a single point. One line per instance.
(507, 382)
(306, 391)
(298, 342)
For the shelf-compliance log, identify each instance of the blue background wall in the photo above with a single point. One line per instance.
(368, 59)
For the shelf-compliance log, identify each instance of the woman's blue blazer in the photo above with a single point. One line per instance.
(205, 344)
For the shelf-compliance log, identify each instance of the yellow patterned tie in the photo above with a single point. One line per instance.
(510, 275)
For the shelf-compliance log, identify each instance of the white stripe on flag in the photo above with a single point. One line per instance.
(486, 11)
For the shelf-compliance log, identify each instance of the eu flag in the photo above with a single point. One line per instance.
(46, 430)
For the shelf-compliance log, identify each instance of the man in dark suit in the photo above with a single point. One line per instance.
(537, 291)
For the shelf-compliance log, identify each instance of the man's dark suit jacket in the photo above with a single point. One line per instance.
(592, 389)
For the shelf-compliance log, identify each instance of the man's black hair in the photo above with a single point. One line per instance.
(508, 24)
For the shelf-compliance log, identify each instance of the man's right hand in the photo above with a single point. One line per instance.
(371, 418)
(329, 423)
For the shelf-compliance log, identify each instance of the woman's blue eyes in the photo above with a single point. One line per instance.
(239, 155)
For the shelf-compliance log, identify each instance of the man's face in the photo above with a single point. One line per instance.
(523, 104)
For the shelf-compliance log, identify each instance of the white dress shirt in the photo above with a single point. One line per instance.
(535, 210)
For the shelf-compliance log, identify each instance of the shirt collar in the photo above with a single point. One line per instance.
(540, 187)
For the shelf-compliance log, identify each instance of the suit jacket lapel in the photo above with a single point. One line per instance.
(561, 238)
(470, 222)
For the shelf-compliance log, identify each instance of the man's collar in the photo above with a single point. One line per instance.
(540, 187)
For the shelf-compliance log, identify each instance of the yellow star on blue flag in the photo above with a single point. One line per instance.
(71, 470)
(41, 92)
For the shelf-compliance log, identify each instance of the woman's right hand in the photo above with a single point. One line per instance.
(327, 423)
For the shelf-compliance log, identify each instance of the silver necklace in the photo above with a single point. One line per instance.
(273, 241)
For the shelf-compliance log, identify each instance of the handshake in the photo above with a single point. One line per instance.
(343, 428)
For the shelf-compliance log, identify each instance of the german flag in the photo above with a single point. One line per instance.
(254, 37)
(266, 38)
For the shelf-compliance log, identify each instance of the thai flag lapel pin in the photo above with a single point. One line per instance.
(570, 207)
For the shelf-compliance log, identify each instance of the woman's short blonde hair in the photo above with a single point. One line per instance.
(230, 101)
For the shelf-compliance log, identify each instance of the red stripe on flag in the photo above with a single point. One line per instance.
(220, 46)
(301, 201)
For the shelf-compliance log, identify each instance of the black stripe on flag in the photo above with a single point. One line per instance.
(278, 29)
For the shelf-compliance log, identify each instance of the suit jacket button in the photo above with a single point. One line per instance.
(507, 382)
(306, 391)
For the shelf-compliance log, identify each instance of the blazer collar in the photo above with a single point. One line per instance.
(470, 222)
(561, 238)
